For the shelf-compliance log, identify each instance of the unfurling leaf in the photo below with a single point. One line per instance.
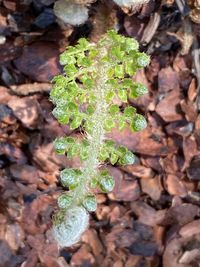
(90, 203)
(64, 201)
(70, 177)
(107, 184)
(139, 123)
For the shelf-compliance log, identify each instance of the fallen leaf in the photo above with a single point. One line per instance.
(168, 80)
(193, 171)
(39, 61)
(167, 107)
(175, 186)
(148, 141)
(128, 191)
(27, 110)
(152, 187)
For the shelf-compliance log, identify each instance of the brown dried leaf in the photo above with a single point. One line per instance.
(139, 171)
(9, 52)
(193, 171)
(153, 163)
(167, 108)
(27, 110)
(117, 215)
(152, 187)
(146, 214)
(168, 80)
(29, 88)
(181, 214)
(32, 259)
(39, 209)
(82, 255)
(189, 109)
(172, 253)
(5, 253)
(128, 191)
(14, 236)
(134, 27)
(14, 154)
(178, 251)
(104, 19)
(195, 16)
(120, 237)
(91, 238)
(45, 157)
(144, 248)
(188, 257)
(190, 229)
(175, 186)
(134, 261)
(147, 9)
(25, 173)
(148, 141)
(181, 128)
(39, 61)
(190, 150)
(103, 212)
(5, 95)
(192, 90)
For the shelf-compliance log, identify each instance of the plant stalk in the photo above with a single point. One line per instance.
(97, 135)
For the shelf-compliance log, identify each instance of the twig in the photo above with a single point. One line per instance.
(151, 28)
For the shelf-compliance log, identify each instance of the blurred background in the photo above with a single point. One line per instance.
(152, 218)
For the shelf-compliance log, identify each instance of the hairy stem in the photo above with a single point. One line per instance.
(97, 134)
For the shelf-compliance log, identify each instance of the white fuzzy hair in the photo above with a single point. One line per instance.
(69, 231)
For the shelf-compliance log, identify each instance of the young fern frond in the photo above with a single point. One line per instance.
(94, 74)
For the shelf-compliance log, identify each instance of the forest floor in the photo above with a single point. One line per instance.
(152, 218)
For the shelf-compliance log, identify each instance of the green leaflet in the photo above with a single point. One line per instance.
(64, 201)
(107, 184)
(70, 177)
(90, 203)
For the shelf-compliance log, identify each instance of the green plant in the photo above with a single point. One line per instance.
(94, 76)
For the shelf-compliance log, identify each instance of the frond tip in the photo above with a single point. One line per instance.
(68, 231)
